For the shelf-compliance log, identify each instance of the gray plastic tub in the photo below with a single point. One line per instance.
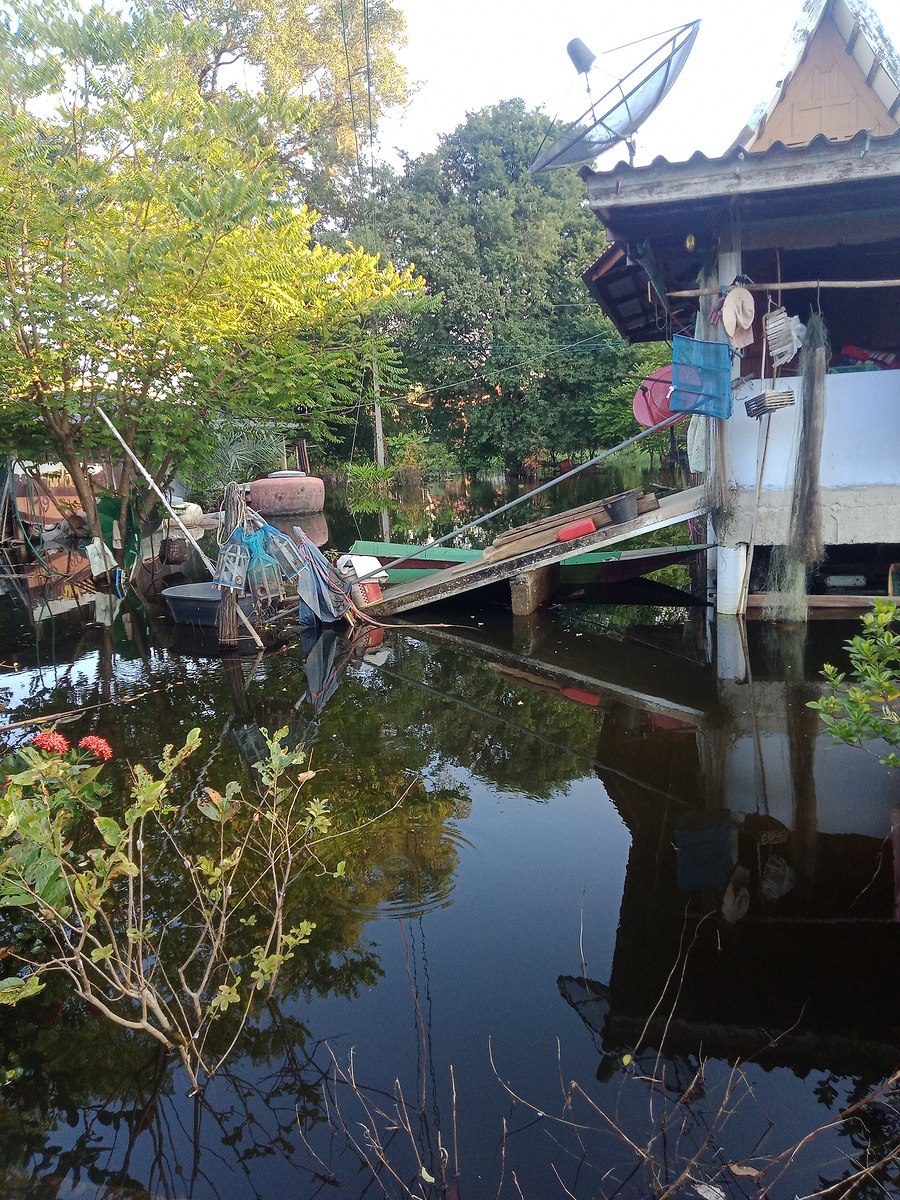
(198, 603)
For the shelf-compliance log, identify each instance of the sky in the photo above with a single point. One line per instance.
(468, 54)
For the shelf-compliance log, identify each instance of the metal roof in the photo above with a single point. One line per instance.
(745, 173)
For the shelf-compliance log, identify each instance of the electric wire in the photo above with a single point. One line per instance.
(344, 36)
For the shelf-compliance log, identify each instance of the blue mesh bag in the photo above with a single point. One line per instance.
(701, 377)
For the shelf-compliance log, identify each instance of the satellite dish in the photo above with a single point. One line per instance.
(652, 399)
(624, 108)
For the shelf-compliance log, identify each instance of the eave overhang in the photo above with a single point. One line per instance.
(627, 193)
(824, 194)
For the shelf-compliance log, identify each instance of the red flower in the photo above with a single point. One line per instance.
(96, 745)
(51, 741)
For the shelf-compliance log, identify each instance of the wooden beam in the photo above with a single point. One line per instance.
(466, 577)
(798, 285)
(740, 173)
(832, 605)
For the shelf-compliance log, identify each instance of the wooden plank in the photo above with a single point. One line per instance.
(616, 191)
(647, 502)
(673, 510)
(545, 535)
(519, 545)
(831, 603)
(595, 509)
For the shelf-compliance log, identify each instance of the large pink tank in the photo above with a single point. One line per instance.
(285, 492)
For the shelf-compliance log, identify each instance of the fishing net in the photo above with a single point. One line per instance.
(791, 563)
(264, 578)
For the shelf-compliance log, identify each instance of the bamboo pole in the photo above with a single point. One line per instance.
(207, 562)
(793, 286)
(228, 605)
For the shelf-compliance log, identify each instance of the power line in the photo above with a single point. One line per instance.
(350, 87)
(518, 365)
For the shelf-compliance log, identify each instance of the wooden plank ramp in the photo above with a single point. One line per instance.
(530, 554)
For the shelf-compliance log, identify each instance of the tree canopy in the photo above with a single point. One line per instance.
(342, 57)
(511, 354)
(154, 257)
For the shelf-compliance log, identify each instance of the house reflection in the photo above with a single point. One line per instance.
(758, 918)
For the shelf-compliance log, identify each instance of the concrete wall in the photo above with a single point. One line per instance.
(860, 466)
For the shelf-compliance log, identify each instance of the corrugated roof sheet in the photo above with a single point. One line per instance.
(861, 144)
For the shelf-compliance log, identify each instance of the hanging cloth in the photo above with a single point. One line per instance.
(320, 587)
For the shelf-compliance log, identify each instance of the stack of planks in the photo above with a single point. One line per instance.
(543, 532)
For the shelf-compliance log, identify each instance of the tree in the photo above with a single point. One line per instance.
(153, 262)
(512, 353)
(339, 56)
(867, 706)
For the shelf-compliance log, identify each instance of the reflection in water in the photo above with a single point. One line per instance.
(623, 826)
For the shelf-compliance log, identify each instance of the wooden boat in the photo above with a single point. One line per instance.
(605, 566)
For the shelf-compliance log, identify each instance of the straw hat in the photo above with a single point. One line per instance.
(738, 312)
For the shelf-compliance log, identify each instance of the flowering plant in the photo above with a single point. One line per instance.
(100, 925)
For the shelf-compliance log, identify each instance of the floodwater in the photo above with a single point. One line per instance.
(632, 931)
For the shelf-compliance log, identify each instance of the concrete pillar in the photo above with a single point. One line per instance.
(529, 589)
(731, 660)
(731, 569)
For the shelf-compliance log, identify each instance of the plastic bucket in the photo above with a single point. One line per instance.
(622, 508)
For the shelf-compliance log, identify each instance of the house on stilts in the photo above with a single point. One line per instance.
(800, 218)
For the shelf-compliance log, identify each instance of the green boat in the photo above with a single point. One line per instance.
(603, 566)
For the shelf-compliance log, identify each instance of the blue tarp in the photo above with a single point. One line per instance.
(318, 585)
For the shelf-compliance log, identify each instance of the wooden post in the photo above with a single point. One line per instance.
(529, 589)
(228, 604)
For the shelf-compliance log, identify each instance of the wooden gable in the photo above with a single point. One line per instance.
(842, 83)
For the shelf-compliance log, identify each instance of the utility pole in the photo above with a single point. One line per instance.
(379, 430)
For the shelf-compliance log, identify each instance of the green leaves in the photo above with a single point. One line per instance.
(218, 807)
(155, 257)
(13, 989)
(512, 353)
(163, 964)
(869, 705)
(110, 830)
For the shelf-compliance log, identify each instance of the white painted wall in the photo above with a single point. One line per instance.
(860, 467)
(861, 440)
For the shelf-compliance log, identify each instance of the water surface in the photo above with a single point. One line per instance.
(632, 930)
